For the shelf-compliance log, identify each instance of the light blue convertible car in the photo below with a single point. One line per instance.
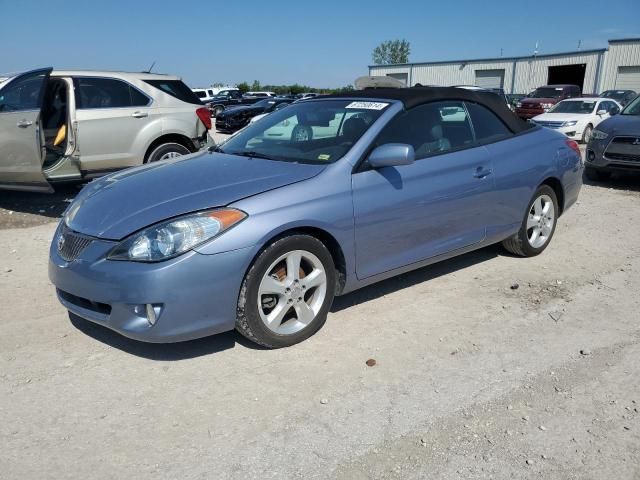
(315, 200)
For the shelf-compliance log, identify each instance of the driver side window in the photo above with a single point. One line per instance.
(431, 129)
(22, 94)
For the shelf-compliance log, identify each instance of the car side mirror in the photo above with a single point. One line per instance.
(601, 112)
(392, 155)
(614, 111)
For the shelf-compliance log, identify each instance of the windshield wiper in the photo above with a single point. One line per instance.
(253, 155)
(216, 148)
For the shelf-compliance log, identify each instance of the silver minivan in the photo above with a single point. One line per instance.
(59, 126)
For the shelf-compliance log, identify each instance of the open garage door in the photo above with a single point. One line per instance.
(490, 78)
(628, 78)
(567, 75)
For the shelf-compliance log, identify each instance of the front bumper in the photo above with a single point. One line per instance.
(230, 124)
(602, 155)
(527, 113)
(193, 295)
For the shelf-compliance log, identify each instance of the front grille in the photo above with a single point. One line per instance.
(549, 124)
(624, 157)
(624, 149)
(71, 244)
(98, 307)
(634, 141)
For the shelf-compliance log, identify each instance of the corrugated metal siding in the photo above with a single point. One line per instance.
(623, 54)
(534, 72)
(529, 72)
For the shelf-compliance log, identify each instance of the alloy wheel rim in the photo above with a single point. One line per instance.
(291, 292)
(170, 155)
(540, 221)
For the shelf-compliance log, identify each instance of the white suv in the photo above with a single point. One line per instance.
(70, 125)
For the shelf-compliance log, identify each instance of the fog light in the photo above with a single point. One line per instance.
(153, 311)
(591, 156)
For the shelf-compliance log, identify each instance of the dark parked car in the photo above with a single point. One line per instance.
(615, 144)
(234, 118)
(543, 98)
(229, 98)
(623, 97)
(260, 233)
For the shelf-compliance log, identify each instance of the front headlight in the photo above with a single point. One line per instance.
(599, 134)
(171, 238)
(569, 123)
(519, 104)
(546, 105)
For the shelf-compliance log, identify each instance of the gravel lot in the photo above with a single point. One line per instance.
(474, 378)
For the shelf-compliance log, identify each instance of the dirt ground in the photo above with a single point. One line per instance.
(474, 378)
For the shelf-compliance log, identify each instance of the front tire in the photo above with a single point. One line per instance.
(287, 292)
(538, 225)
(586, 135)
(217, 110)
(166, 151)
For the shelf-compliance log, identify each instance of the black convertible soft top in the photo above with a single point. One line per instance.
(414, 96)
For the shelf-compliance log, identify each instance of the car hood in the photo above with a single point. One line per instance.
(621, 125)
(560, 117)
(124, 202)
(240, 109)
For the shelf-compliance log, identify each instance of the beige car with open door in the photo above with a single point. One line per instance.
(60, 126)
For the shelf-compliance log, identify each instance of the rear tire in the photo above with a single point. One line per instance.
(287, 292)
(538, 225)
(597, 175)
(166, 151)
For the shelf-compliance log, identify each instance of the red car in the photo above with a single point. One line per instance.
(543, 98)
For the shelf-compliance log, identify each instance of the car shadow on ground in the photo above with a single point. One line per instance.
(50, 205)
(415, 277)
(629, 181)
(217, 343)
(166, 352)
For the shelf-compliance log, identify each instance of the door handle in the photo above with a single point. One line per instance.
(24, 123)
(482, 172)
(139, 114)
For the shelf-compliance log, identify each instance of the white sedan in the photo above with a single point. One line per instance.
(577, 117)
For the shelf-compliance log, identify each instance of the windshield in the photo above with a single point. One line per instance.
(574, 107)
(309, 132)
(547, 92)
(615, 94)
(633, 108)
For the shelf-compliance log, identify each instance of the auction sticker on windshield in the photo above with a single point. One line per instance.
(367, 105)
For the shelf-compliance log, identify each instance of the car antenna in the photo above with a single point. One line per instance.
(150, 68)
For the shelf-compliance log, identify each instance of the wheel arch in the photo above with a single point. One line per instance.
(558, 189)
(327, 239)
(170, 138)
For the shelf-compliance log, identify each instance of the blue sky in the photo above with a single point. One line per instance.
(322, 44)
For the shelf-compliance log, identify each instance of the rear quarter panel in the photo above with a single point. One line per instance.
(521, 164)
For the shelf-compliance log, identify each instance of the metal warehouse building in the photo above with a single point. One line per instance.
(615, 67)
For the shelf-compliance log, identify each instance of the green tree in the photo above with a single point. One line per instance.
(243, 87)
(255, 86)
(391, 51)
